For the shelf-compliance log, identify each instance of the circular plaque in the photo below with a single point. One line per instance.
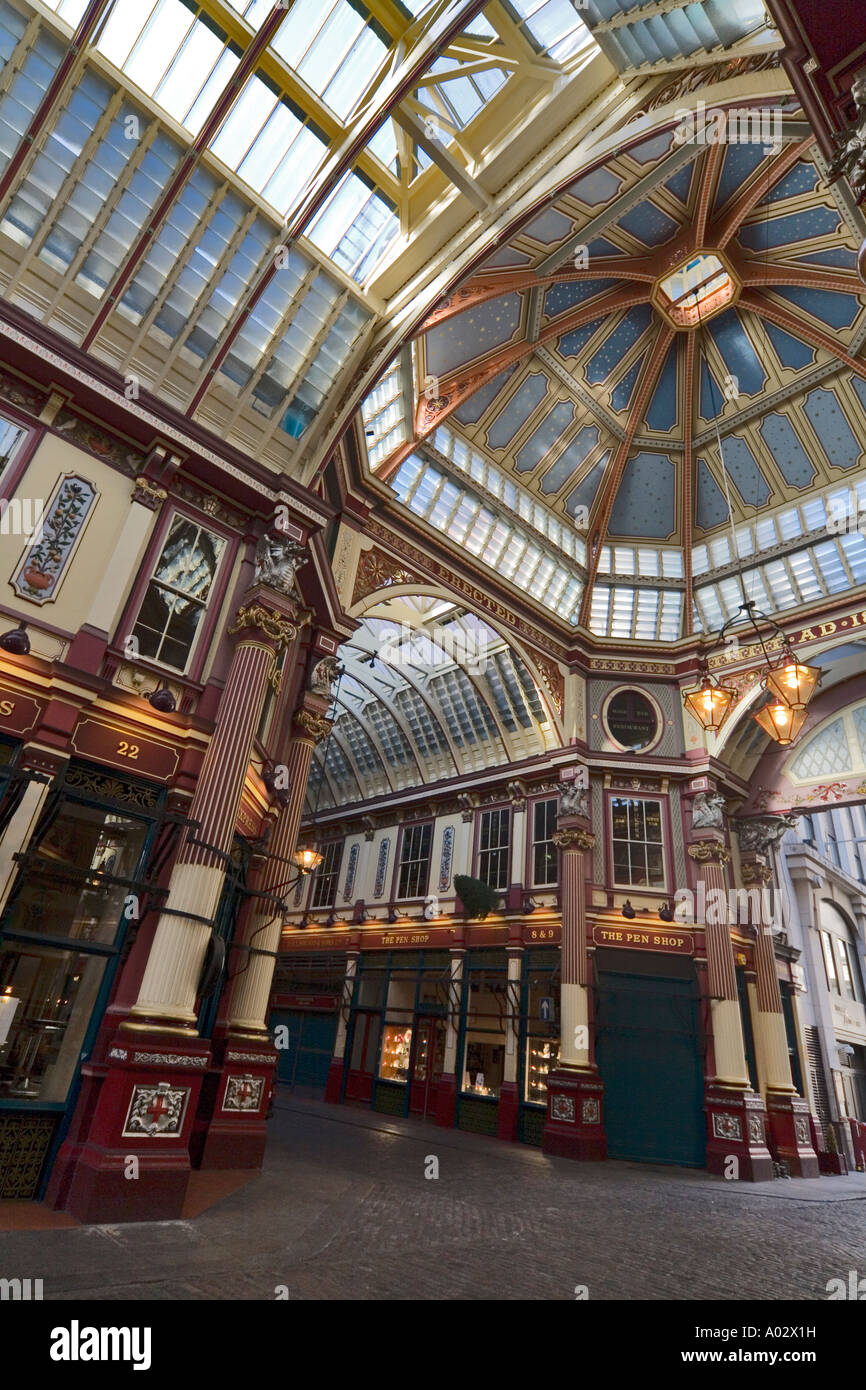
(631, 720)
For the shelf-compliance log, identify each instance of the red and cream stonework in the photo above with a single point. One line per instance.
(128, 1154)
(574, 1127)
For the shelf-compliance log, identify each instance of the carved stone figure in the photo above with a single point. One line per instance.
(850, 160)
(323, 675)
(707, 812)
(759, 834)
(278, 558)
(574, 800)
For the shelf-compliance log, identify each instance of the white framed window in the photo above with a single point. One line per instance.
(637, 838)
(494, 844)
(545, 857)
(177, 595)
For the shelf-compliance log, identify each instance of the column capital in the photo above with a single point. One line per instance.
(753, 872)
(274, 627)
(148, 494)
(570, 840)
(309, 725)
(709, 851)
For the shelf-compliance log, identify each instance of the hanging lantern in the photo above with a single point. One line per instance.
(308, 859)
(711, 703)
(780, 721)
(792, 682)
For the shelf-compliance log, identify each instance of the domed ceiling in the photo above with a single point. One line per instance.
(673, 343)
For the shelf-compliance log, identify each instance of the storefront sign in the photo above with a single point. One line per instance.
(645, 939)
(124, 748)
(18, 713)
(305, 1001)
(537, 936)
(402, 936)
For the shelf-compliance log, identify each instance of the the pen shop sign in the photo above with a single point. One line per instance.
(677, 943)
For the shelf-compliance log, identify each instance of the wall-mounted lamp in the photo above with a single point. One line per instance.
(16, 641)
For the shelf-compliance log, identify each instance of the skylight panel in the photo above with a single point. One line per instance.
(803, 569)
(70, 10)
(171, 55)
(854, 547)
(253, 11)
(671, 616)
(384, 144)
(132, 209)
(552, 26)
(334, 48)
(831, 565)
(355, 227)
(26, 89)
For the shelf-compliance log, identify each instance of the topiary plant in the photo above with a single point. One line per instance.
(477, 897)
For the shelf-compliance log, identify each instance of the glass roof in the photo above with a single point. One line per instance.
(429, 690)
(150, 211)
(566, 403)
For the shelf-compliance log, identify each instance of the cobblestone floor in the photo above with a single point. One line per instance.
(343, 1210)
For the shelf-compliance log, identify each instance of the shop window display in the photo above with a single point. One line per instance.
(484, 1037)
(396, 1047)
(397, 1031)
(540, 1030)
(62, 929)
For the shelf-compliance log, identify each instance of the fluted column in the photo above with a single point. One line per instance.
(731, 1068)
(736, 1119)
(169, 987)
(787, 1111)
(573, 1126)
(251, 989)
(574, 999)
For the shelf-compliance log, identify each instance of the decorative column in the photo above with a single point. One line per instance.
(148, 1092)
(509, 1098)
(446, 1097)
(787, 1111)
(334, 1083)
(573, 1127)
(234, 1114)
(735, 1114)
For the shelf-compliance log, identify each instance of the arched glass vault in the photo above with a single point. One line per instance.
(429, 691)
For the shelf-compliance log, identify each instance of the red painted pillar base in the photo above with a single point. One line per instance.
(737, 1129)
(446, 1100)
(334, 1083)
(127, 1154)
(790, 1134)
(236, 1098)
(509, 1111)
(573, 1126)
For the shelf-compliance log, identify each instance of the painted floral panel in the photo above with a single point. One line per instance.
(41, 570)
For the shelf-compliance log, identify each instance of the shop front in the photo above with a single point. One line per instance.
(396, 1037)
(405, 1007)
(78, 889)
(303, 1019)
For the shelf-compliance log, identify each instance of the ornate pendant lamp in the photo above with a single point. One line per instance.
(780, 721)
(792, 682)
(711, 703)
(789, 682)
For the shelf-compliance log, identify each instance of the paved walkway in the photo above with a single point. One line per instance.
(343, 1210)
